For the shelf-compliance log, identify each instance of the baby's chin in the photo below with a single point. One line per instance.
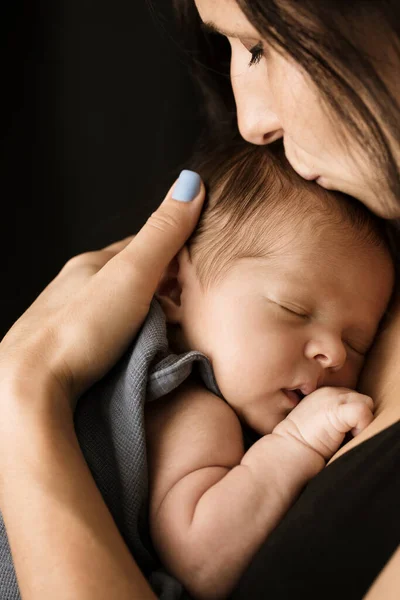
(258, 415)
(265, 426)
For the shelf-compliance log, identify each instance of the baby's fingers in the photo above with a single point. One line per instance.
(355, 414)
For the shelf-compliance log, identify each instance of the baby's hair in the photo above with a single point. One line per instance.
(255, 197)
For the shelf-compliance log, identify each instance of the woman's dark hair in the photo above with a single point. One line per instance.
(344, 46)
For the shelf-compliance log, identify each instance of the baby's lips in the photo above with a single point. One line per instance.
(304, 388)
(293, 396)
(308, 388)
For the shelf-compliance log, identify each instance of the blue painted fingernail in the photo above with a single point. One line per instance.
(187, 187)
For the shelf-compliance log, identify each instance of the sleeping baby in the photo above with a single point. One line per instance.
(282, 287)
(243, 373)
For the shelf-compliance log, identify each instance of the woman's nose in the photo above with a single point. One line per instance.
(329, 352)
(257, 121)
(258, 126)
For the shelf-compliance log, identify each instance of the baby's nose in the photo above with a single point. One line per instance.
(330, 353)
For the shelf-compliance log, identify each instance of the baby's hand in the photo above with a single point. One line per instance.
(322, 419)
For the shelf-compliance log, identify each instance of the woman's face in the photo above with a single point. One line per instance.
(275, 98)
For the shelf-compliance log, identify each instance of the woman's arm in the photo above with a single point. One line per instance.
(64, 541)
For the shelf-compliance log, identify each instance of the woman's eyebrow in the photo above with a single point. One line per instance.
(210, 27)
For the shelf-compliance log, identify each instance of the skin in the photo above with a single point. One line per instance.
(78, 547)
(294, 320)
(275, 98)
(292, 331)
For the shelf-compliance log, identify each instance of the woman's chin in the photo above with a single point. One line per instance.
(324, 183)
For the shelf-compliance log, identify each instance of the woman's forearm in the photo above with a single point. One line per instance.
(64, 541)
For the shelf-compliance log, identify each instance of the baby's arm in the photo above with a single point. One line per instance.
(210, 506)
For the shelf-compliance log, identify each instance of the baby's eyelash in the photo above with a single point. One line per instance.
(257, 53)
(295, 312)
(359, 352)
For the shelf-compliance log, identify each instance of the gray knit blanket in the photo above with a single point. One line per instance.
(109, 422)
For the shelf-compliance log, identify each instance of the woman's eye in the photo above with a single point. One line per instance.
(257, 52)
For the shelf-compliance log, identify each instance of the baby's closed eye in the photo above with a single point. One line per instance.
(298, 312)
(352, 348)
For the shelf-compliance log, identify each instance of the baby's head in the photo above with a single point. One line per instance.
(282, 285)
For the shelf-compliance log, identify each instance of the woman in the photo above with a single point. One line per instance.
(83, 321)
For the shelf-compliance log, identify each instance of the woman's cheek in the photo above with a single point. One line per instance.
(298, 105)
(240, 58)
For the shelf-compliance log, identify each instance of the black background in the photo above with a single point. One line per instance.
(99, 114)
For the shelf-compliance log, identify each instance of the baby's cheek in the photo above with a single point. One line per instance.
(235, 376)
(230, 378)
(347, 376)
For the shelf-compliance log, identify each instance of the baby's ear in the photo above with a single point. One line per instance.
(169, 291)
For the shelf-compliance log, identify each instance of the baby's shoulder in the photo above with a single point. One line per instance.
(194, 397)
(205, 409)
(195, 418)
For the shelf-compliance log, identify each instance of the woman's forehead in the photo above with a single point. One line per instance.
(226, 18)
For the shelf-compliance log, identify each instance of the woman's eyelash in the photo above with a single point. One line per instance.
(257, 53)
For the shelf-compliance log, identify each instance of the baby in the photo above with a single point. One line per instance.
(282, 286)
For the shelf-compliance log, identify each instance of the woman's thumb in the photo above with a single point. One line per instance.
(167, 229)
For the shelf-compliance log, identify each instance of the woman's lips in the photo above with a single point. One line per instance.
(299, 168)
(304, 174)
(309, 176)
(324, 183)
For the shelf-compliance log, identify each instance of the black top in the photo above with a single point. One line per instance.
(339, 534)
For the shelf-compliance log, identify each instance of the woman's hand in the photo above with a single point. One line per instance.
(63, 539)
(84, 320)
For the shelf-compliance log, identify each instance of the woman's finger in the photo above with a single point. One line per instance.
(158, 241)
(94, 260)
(166, 231)
(109, 310)
(116, 247)
(74, 275)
